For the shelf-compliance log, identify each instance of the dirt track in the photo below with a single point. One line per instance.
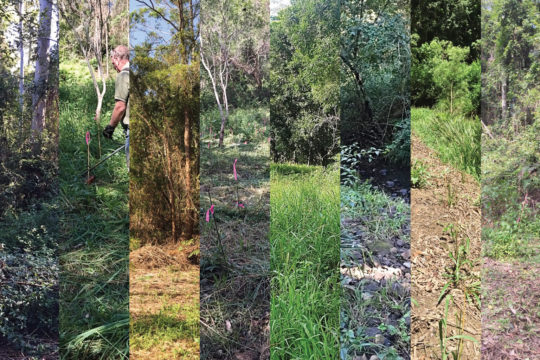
(431, 245)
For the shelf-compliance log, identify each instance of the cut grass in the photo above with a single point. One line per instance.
(456, 139)
(235, 275)
(94, 315)
(304, 240)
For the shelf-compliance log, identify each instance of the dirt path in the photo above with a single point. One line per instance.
(510, 310)
(451, 197)
(164, 301)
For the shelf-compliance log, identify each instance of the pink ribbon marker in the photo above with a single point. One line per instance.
(87, 137)
(240, 205)
(234, 169)
(210, 210)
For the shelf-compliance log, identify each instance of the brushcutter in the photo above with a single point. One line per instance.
(87, 171)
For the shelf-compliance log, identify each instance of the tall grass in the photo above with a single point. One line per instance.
(305, 242)
(455, 138)
(94, 315)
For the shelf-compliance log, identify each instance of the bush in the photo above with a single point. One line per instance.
(28, 296)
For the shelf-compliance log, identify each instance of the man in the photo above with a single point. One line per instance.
(120, 114)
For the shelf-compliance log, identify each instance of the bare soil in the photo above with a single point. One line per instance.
(451, 197)
(510, 310)
(165, 279)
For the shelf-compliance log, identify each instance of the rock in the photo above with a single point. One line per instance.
(400, 243)
(403, 192)
(374, 357)
(393, 250)
(379, 339)
(406, 254)
(390, 183)
(407, 265)
(383, 172)
(372, 332)
(366, 296)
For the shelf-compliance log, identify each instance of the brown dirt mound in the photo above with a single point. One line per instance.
(153, 257)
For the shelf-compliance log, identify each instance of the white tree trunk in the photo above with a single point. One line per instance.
(43, 61)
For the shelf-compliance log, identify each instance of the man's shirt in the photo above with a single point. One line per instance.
(121, 90)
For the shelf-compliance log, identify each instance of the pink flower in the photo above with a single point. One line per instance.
(87, 137)
(241, 205)
(234, 169)
(245, 142)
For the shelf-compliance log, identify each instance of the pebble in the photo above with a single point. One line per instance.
(390, 183)
(393, 250)
(406, 254)
(399, 243)
(407, 264)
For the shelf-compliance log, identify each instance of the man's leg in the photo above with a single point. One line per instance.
(127, 147)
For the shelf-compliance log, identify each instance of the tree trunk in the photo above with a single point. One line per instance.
(21, 55)
(190, 216)
(42, 65)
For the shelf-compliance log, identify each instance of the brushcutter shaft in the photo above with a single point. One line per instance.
(102, 160)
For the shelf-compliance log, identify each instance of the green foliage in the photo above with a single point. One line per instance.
(304, 239)
(29, 297)
(375, 76)
(511, 112)
(441, 75)
(456, 21)
(455, 138)
(305, 82)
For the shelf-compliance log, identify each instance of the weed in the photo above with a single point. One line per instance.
(451, 197)
(419, 175)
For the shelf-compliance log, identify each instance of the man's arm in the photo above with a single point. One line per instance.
(118, 113)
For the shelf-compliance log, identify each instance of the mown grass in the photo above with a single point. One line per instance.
(94, 223)
(384, 310)
(235, 281)
(163, 330)
(455, 138)
(304, 240)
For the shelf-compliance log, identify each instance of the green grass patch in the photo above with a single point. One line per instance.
(94, 223)
(455, 138)
(172, 324)
(304, 240)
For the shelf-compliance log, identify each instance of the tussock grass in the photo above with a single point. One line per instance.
(455, 138)
(304, 240)
(94, 223)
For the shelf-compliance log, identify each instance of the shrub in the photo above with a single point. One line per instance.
(28, 296)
